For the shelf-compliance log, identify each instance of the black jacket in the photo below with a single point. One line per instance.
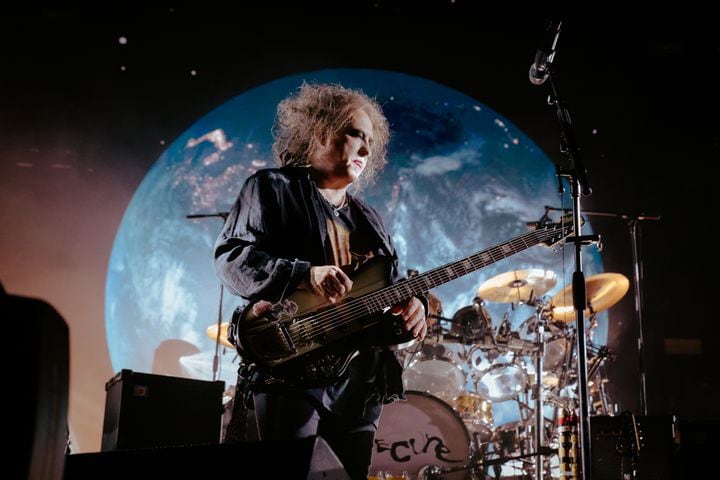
(275, 232)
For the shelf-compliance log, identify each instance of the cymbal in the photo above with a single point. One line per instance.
(212, 333)
(519, 286)
(602, 291)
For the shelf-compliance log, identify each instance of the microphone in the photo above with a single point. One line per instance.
(540, 69)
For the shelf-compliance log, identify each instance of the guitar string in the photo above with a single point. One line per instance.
(326, 322)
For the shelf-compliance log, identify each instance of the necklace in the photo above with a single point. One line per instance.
(335, 208)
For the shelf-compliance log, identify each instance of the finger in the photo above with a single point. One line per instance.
(412, 322)
(420, 328)
(412, 309)
(334, 289)
(423, 332)
(332, 286)
(343, 280)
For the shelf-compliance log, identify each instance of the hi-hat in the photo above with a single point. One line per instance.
(519, 286)
(212, 332)
(602, 291)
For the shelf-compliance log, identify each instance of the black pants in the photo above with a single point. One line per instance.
(288, 416)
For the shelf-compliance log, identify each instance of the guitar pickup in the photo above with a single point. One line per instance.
(273, 343)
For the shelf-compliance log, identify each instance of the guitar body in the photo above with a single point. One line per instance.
(304, 340)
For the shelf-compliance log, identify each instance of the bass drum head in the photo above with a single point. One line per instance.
(419, 432)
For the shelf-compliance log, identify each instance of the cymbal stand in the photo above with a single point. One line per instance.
(216, 358)
(540, 325)
(602, 405)
(633, 223)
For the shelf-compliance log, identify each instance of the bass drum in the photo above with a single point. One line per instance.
(419, 432)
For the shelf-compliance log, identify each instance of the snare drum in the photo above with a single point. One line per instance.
(477, 414)
(434, 370)
(500, 376)
(420, 432)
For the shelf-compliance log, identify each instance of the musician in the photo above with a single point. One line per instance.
(301, 227)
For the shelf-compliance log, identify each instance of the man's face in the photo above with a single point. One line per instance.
(345, 155)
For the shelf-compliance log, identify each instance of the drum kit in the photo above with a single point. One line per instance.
(467, 366)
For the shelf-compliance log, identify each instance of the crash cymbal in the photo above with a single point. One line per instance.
(602, 291)
(212, 333)
(519, 286)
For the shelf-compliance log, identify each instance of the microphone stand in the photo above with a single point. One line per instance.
(540, 71)
(216, 357)
(633, 222)
(578, 180)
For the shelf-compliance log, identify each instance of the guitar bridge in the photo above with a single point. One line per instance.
(271, 343)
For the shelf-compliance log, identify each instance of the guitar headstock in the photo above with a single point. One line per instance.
(557, 231)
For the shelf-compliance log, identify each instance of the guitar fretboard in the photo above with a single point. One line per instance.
(323, 323)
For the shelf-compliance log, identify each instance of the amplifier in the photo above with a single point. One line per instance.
(146, 410)
(627, 446)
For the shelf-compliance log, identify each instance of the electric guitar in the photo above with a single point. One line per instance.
(305, 340)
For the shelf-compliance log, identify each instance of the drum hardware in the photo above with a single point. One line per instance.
(470, 325)
(504, 330)
(219, 334)
(533, 365)
(597, 383)
(434, 472)
(539, 365)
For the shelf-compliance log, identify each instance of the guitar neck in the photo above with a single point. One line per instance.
(422, 283)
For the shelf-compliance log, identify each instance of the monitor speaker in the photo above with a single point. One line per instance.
(309, 458)
(146, 410)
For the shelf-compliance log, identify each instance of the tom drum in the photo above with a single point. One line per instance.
(434, 370)
(499, 375)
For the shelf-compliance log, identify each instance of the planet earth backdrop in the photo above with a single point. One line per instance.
(460, 179)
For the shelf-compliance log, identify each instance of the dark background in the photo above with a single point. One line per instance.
(83, 117)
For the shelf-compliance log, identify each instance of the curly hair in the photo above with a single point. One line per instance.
(307, 119)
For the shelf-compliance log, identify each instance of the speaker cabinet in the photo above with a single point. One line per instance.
(146, 410)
